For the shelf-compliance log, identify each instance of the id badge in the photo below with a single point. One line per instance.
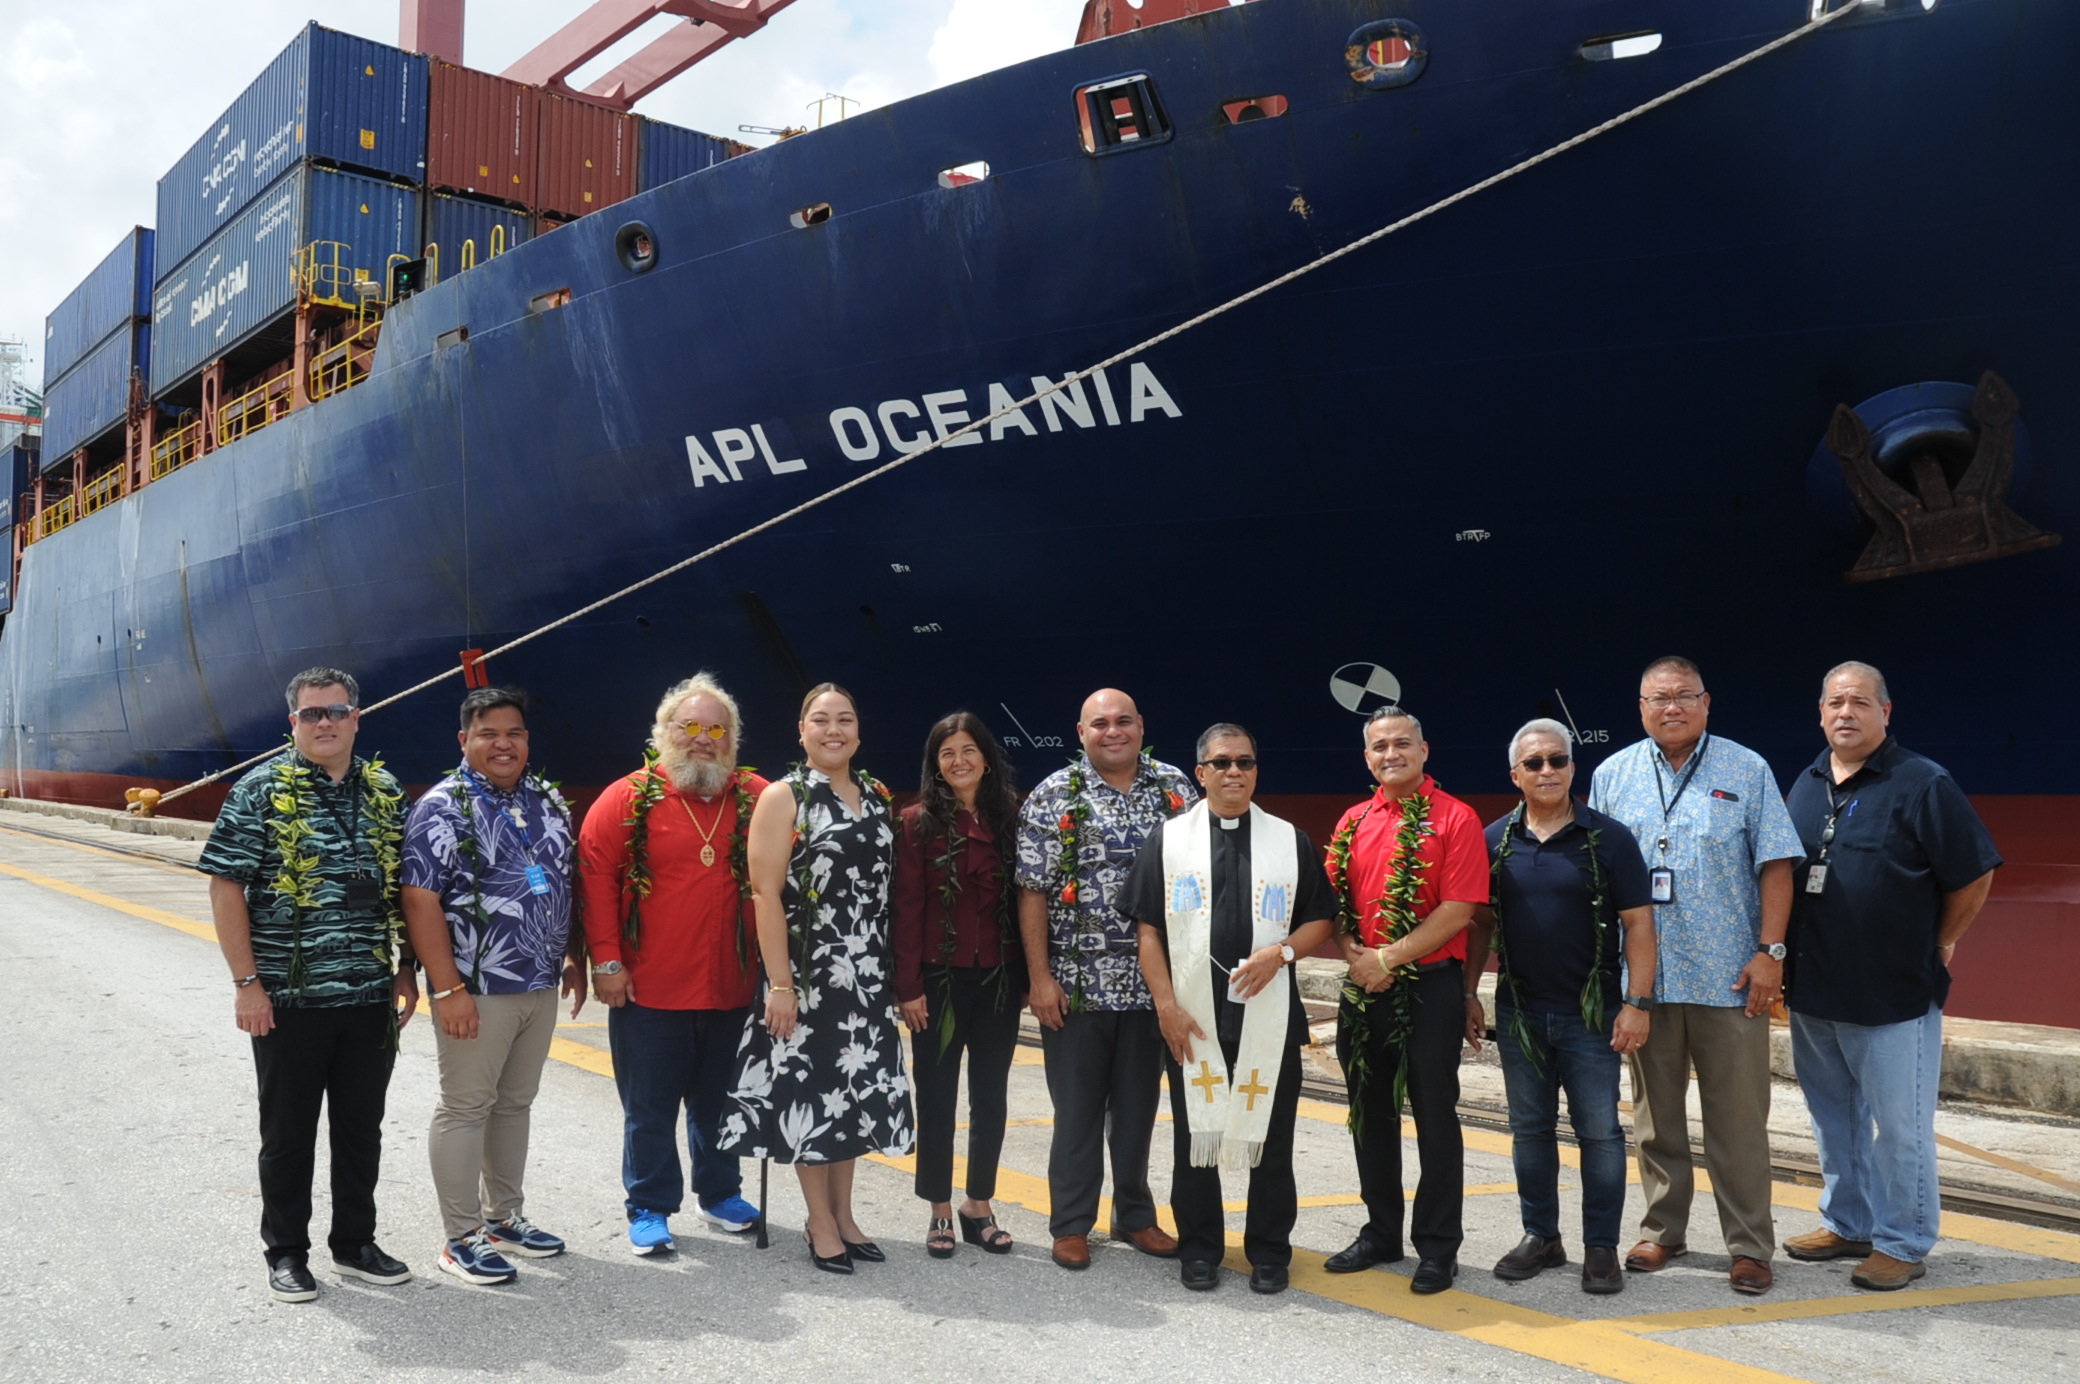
(363, 895)
(537, 879)
(1816, 879)
(1661, 885)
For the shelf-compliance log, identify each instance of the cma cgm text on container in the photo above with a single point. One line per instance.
(245, 279)
(117, 292)
(330, 97)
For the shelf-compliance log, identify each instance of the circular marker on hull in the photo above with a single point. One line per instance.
(1363, 688)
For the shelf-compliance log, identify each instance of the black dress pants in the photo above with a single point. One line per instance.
(1104, 1075)
(338, 1058)
(1435, 1225)
(985, 1006)
(1274, 1202)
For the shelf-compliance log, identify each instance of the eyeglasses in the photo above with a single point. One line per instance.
(1537, 762)
(695, 730)
(1685, 700)
(311, 715)
(1221, 764)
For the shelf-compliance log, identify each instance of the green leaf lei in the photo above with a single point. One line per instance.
(468, 848)
(1076, 810)
(1592, 989)
(650, 787)
(949, 865)
(1397, 910)
(798, 935)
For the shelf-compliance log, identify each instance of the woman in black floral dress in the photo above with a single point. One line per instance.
(820, 1077)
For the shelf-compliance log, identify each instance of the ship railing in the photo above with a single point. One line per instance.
(347, 364)
(55, 516)
(254, 410)
(175, 450)
(103, 491)
(324, 277)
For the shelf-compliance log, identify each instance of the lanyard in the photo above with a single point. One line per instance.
(1689, 772)
(1834, 811)
(350, 826)
(517, 817)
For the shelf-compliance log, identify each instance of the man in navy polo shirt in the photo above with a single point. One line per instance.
(1896, 867)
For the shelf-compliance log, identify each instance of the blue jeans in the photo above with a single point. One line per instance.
(665, 1058)
(1871, 1091)
(1582, 1063)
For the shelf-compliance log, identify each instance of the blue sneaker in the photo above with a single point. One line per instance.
(649, 1232)
(518, 1235)
(473, 1260)
(734, 1215)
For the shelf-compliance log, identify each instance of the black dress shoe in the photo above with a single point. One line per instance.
(1600, 1270)
(1359, 1255)
(1434, 1275)
(1200, 1275)
(841, 1262)
(866, 1251)
(370, 1265)
(291, 1281)
(1533, 1254)
(1269, 1278)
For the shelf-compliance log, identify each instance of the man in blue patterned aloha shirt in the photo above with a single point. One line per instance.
(487, 894)
(1719, 846)
(1099, 1035)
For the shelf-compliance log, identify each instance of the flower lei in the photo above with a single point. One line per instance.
(469, 848)
(1397, 910)
(948, 864)
(1076, 810)
(1592, 988)
(650, 786)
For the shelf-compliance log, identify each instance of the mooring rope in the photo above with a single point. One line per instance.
(1817, 23)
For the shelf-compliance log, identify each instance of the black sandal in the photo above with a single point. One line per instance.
(938, 1240)
(984, 1231)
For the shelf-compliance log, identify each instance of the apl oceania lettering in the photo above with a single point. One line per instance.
(911, 425)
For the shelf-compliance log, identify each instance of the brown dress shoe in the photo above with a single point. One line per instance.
(1825, 1244)
(1152, 1239)
(1884, 1273)
(1073, 1251)
(1648, 1257)
(1750, 1276)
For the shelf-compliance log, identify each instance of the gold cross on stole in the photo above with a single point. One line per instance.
(1207, 1080)
(1253, 1088)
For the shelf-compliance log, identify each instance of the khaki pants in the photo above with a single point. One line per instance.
(478, 1142)
(1731, 1054)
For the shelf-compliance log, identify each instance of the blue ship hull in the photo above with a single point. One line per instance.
(1509, 454)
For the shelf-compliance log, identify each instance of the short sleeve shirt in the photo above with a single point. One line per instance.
(1724, 821)
(1551, 939)
(1455, 852)
(472, 846)
(1094, 950)
(1863, 949)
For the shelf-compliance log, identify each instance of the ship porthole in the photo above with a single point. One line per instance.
(637, 247)
(1386, 53)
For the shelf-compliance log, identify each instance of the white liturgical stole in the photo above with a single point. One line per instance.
(1230, 1112)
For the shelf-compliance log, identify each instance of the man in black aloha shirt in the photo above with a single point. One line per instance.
(316, 984)
(1103, 1048)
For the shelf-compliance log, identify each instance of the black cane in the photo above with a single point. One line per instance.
(763, 1164)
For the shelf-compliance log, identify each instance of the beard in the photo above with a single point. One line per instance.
(707, 777)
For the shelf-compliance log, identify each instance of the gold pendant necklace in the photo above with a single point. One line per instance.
(708, 835)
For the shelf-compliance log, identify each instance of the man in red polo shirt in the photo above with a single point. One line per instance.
(668, 922)
(1374, 1030)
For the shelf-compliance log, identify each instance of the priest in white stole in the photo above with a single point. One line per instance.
(1227, 897)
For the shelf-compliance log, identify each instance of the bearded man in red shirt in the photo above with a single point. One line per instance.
(668, 922)
(1411, 865)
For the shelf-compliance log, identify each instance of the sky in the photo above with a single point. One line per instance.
(99, 97)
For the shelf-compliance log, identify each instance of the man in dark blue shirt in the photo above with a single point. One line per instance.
(1564, 876)
(1896, 867)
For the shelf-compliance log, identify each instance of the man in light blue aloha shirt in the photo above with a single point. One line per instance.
(487, 896)
(1719, 845)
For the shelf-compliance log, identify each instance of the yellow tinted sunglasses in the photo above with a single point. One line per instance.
(695, 730)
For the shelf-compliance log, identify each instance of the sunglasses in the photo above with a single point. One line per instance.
(311, 715)
(1222, 764)
(695, 730)
(1539, 761)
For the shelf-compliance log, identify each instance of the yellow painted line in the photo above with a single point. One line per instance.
(1848, 1306)
(598, 1061)
(2013, 1165)
(1977, 1230)
(136, 910)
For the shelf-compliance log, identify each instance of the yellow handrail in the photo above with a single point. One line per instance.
(253, 410)
(323, 276)
(176, 449)
(498, 241)
(55, 517)
(343, 366)
(469, 254)
(104, 490)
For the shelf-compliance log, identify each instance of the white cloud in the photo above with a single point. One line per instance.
(983, 35)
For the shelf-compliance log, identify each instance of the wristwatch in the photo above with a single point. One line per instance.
(1285, 954)
(1775, 951)
(607, 968)
(1640, 1002)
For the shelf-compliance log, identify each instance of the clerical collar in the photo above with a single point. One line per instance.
(1229, 823)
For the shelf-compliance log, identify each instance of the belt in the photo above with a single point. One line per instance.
(1428, 967)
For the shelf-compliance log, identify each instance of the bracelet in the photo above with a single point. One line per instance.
(457, 988)
(243, 981)
(1473, 995)
(782, 989)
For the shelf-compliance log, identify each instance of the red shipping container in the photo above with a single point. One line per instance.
(588, 156)
(481, 134)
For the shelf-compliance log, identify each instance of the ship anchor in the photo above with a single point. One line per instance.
(1928, 524)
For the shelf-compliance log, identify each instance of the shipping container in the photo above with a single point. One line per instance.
(587, 156)
(331, 97)
(461, 231)
(244, 280)
(481, 134)
(116, 293)
(17, 465)
(669, 152)
(94, 396)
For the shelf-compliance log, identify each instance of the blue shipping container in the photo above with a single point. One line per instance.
(330, 97)
(117, 291)
(245, 279)
(453, 222)
(94, 396)
(673, 151)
